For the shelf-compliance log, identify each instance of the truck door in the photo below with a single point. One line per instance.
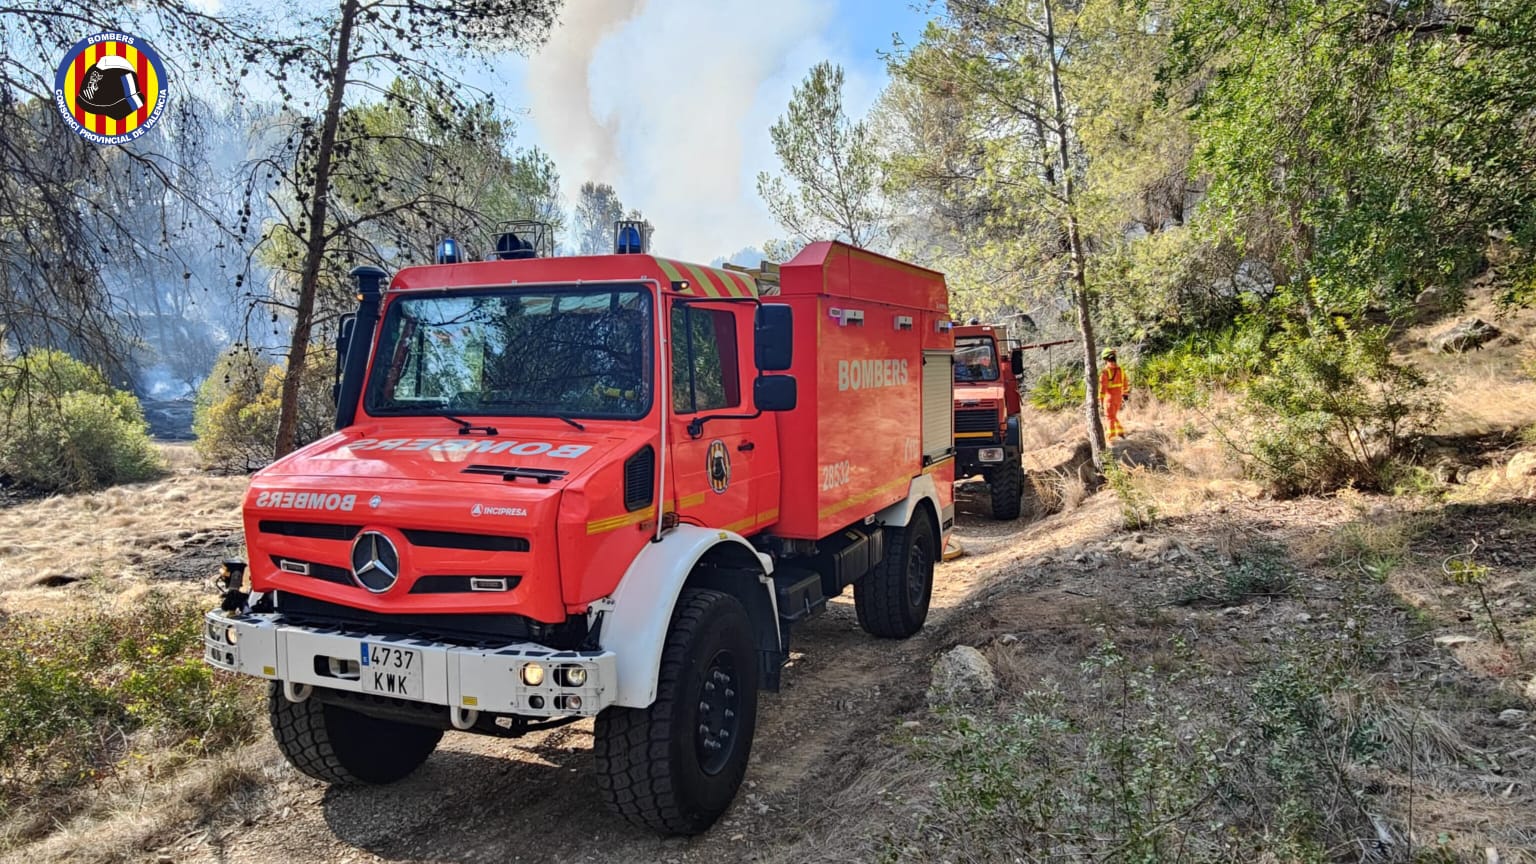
(715, 474)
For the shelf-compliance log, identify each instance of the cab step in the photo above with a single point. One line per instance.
(800, 594)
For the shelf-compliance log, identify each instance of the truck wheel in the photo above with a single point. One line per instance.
(336, 745)
(675, 767)
(892, 600)
(1007, 482)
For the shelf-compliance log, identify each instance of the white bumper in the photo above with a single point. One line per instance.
(467, 679)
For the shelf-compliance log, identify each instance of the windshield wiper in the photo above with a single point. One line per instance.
(466, 427)
(571, 420)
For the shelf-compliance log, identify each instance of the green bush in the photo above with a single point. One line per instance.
(1137, 511)
(1333, 409)
(1187, 371)
(72, 690)
(1058, 390)
(235, 418)
(64, 428)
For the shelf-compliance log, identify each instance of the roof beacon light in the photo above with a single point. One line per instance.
(448, 252)
(522, 238)
(631, 237)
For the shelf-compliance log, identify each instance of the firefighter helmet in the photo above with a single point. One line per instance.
(110, 88)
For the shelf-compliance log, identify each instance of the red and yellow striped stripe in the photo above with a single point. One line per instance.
(709, 281)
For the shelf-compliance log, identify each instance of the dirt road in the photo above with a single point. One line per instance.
(534, 799)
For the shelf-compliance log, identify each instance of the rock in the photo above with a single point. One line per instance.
(1453, 640)
(1513, 716)
(1304, 618)
(1008, 639)
(962, 677)
(1521, 465)
(1462, 336)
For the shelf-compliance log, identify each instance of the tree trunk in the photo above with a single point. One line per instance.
(314, 249)
(1079, 253)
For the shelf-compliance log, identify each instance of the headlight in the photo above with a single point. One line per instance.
(231, 634)
(991, 454)
(575, 676)
(533, 674)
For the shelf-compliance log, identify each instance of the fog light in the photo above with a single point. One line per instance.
(575, 676)
(231, 634)
(533, 674)
(571, 703)
(990, 454)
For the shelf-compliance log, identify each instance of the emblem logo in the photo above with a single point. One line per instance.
(110, 88)
(375, 562)
(374, 502)
(719, 467)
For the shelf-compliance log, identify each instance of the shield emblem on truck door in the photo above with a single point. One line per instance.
(719, 467)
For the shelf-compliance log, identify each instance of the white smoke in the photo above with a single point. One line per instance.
(670, 101)
(560, 99)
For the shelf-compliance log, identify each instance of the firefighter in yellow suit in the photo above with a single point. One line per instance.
(1114, 387)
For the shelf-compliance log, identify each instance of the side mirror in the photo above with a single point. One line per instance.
(1016, 360)
(344, 340)
(773, 339)
(774, 393)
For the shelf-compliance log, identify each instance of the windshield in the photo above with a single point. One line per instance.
(975, 359)
(579, 352)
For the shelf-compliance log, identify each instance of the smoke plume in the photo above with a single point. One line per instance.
(670, 101)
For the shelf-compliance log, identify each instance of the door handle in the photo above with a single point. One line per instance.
(745, 446)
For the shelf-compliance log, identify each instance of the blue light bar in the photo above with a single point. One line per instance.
(448, 251)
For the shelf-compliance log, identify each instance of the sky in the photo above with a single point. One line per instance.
(670, 101)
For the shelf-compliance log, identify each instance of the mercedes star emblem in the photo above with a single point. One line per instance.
(375, 562)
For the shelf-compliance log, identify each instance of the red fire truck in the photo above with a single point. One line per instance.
(988, 436)
(605, 486)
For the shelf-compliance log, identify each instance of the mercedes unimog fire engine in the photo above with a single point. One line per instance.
(988, 435)
(604, 486)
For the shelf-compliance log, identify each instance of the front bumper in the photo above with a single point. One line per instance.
(457, 677)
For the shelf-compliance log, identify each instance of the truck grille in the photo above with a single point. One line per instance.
(456, 540)
(310, 530)
(464, 584)
(976, 420)
(640, 479)
(314, 570)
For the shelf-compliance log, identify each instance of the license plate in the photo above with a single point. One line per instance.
(390, 670)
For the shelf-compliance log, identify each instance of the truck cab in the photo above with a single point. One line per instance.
(602, 486)
(988, 439)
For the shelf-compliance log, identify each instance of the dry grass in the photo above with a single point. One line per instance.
(133, 820)
(1486, 389)
(116, 540)
(1041, 429)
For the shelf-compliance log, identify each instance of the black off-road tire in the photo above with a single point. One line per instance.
(892, 601)
(654, 766)
(340, 746)
(1007, 484)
